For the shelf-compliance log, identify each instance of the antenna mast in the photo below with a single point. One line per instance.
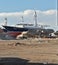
(35, 19)
(5, 21)
(22, 19)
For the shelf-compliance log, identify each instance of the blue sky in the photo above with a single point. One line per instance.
(21, 5)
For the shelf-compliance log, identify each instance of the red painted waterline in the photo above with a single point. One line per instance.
(14, 34)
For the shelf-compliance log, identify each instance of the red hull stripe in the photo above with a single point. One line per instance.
(14, 34)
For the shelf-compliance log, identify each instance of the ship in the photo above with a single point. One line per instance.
(18, 29)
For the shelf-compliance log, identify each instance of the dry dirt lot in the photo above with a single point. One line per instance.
(35, 50)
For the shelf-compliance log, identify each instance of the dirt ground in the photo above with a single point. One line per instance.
(34, 50)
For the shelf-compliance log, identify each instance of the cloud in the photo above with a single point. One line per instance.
(49, 12)
(43, 17)
(10, 14)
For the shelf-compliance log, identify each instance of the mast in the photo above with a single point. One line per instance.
(5, 22)
(35, 16)
(22, 19)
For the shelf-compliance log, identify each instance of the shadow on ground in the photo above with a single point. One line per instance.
(18, 61)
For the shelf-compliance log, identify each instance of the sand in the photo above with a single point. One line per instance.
(34, 50)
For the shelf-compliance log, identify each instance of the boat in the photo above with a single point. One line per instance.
(18, 29)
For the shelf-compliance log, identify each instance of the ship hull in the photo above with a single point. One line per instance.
(14, 31)
(11, 28)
